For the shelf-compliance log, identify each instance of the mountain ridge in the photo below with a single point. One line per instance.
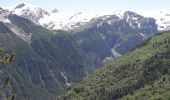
(61, 20)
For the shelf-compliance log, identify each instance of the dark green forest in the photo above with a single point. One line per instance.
(141, 74)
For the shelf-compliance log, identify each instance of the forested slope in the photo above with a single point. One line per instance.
(142, 73)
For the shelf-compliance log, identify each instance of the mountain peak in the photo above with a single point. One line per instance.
(131, 13)
(3, 10)
(119, 13)
(23, 4)
(27, 10)
(55, 11)
(20, 6)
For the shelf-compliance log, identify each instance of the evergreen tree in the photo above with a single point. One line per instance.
(4, 60)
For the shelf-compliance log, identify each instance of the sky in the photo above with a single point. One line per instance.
(95, 5)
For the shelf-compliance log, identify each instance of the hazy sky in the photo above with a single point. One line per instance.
(100, 5)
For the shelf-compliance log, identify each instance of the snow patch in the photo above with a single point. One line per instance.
(142, 34)
(139, 25)
(131, 25)
(110, 58)
(111, 21)
(65, 20)
(66, 79)
(3, 18)
(134, 18)
(162, 18)
(119, 13)
(115, 53)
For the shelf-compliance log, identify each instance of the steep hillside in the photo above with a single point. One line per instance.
(145, 68)
(102, 38)
(110, 37)
(43, 66)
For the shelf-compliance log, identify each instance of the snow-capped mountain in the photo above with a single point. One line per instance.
(51, 19)
(136, 21)
(8, 23)
(56, 20)
(71, 20)
(29, 11)
(163, 20)
(65, 20)
(3, 15)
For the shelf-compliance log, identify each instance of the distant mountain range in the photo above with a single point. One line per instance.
(56, 19)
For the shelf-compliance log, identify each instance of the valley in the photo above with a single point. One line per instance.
(84, 56)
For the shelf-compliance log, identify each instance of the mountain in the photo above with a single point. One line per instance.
(106, 27)
(65, 20)
(163, 20)
(51, 19)
(48, 61)
(29, 11)
(141, 74)
(43, 64)
(61, 20)
(110, 36)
